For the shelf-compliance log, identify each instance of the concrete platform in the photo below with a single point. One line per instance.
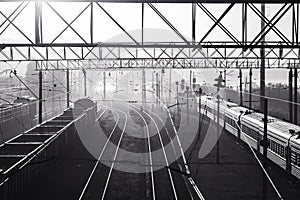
(238, 174)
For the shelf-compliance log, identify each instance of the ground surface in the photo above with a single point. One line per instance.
(236, 176)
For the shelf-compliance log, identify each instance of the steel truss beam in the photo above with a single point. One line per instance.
(160, 1)
(236, 51)
(154, 63)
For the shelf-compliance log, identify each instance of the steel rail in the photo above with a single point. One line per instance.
(115, 156)
(149, 148)
(192, 182)
(173, 147)
(100, 156)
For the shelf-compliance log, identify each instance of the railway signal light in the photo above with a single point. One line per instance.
(220, 82)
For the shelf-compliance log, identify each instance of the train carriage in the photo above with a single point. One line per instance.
(252, 127)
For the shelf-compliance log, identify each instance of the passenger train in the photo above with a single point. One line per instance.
(233, 116)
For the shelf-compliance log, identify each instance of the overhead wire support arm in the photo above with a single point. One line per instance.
(14, 72)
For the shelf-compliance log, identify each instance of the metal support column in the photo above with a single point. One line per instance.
(200, 93)
(104, 85)
(291, 95)
(193, 22)
(68, 88)
(170, 81)
(295, 96)
(177, 97)
(38, 22)
(143, 87)
(241, 86)
(218, 130)
(84, 80)
(143, 22)
(187, 105)
(162, 85)
(191, 80)
(262, 67)
(265, 147)
(157, 89)
(40, 97)
(250, 88)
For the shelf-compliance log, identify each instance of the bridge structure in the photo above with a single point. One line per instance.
(83, 35)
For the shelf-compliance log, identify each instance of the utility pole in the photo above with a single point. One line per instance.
(262, 67)
(40, 97)
(143, 87)
(104, 86)
(199, 93)
(295, 96)
(84, 79)
(187, 105)
(157, 89)
(162, 84)
(250, 88)
(116, 81)
(153, 85)
(53, 88)
(170, 80)
(291, 95)
(265, 138)
(265, 146)
(219, 85)
(218, 130)
(68, 88)
(241, 86)
(191, 79)
(177, 97)
(225, 78)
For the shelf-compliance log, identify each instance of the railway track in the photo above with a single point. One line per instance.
(163, 180)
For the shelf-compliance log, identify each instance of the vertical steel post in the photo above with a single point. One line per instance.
(104, 86)
(250, 88)
(92, 23)
(142, 23)
(40, 97)
(265, 146)
(177, 97)
(241, 86)
(170, 80)
(200, 93)
(190, 79)
(218, 130)
(265, 140)
(187, 105)
(162, 85)
(291, 95)
(262, 68)
(68, 88)
(157, 89)
(144, 87)
(193, 22)
(37, 22)
(295, 96)
(84, 79)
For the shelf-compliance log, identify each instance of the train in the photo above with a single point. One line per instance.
(248, 125)
(17, 117)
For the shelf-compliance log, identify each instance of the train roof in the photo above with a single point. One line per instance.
(285, 126)
(6, 106)
(237, 109)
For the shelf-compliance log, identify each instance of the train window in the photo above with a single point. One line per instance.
(209, 109)
(282, 151)
(249, 131)
(293, 157)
